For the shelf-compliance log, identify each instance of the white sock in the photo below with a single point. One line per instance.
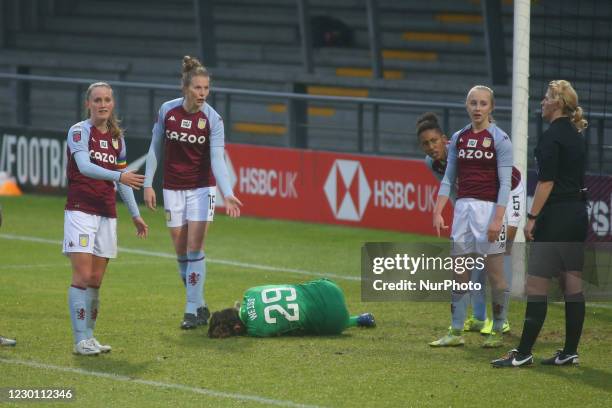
(182, 264)
(77, 303)
(195, 281)
(94, 306)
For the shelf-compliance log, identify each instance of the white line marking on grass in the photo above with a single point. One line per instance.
(67, 264)
(13, 237)
(33, 266)
(244, 265)
(588, 304)
(214, 261)
(600, 305)
(159, 384)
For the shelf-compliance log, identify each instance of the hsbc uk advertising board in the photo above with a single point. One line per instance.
(315, 186)
(303, 185)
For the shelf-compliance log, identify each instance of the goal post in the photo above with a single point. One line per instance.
(520, 123)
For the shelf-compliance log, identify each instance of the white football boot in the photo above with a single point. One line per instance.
(5, 341)
(86, 348)
(104, 348)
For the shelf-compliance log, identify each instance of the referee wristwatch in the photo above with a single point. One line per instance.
(530, 216)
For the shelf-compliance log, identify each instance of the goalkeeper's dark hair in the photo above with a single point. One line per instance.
(225, 323)
(428, 121)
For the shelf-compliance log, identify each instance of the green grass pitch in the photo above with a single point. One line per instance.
(155, 364)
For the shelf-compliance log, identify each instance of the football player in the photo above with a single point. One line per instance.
(315, 308)
(191, 133)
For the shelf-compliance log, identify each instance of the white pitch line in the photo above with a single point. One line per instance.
(214, 261)
(33, 266)
(159, 384)
(31, 239)
(67, 264)
(600, 305)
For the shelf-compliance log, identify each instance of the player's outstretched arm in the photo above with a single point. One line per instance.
(89, 169)
(438, 219)
(219, 168)
(155, 152)
(232, 206)
(150, 198)
(131, 179)
(142, 229)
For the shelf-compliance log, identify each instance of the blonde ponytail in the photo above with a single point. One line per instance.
(114, 126)
(578, 120)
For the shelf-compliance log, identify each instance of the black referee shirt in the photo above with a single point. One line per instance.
(560, 157)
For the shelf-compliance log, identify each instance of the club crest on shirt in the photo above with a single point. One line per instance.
(103, 144)
(116, 143)
(201, 123)
(186, 124)
(76, 136)
(486, 142)
(472, 143)
(84, 240)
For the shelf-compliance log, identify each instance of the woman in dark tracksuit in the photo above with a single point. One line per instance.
(558, 224)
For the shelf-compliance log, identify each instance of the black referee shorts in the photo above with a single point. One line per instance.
(560, 232)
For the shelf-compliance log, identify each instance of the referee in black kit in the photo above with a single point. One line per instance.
(557, 223)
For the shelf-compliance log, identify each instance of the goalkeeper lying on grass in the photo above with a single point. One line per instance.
(312, 308)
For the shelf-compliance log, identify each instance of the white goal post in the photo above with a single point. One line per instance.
(520, 120)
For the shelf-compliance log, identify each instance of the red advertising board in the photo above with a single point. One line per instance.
(360, 190)
(271, 182)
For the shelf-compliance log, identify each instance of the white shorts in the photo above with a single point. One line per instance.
(516, 203)
(92, 234)
(470, 224)
(197, 204)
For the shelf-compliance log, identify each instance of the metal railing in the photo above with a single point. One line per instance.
(228, 93)
(297, 130)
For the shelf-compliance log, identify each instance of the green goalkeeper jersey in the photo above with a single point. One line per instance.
(315, 307)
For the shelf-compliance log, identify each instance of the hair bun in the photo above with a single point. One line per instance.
(427, 117)
(190, 63)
